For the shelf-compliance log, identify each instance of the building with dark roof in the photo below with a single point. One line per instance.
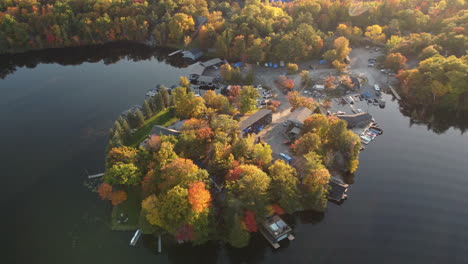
(298, 116)
(337, 191)
(256, 122)
(357, 120)
(274, 229)
(193, 54)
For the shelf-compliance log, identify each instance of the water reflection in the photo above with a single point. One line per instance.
(108, 53)
(436, 119)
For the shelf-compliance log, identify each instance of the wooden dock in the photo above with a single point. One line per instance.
(174, 53)
(95, 176)
(397, 96)
(135, 237)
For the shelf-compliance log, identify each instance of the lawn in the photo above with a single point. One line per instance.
(130, 208)
(163, 118)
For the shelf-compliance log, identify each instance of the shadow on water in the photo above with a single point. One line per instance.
(108, 53)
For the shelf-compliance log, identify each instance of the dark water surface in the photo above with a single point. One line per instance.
(408, 203)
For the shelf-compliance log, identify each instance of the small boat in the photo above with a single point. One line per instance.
(376, 129)
(151, 93)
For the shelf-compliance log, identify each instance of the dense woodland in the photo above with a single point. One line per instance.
(209, 183)
(253, 31)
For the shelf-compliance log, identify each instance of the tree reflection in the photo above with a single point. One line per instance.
(108, 53)
(437, 119)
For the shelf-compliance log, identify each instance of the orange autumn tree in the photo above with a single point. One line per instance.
(199, 197)
(105, 191)
(118, 197)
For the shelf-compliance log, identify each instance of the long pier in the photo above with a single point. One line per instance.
(174, 53)
(397, 96)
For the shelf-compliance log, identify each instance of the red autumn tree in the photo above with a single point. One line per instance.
(118, 197)
(278, 210)
(234, 174)
(250, 222)
(199, 197)
(234, 93)
(105, 191)
(185, 233)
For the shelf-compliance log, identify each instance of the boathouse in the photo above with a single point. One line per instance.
(256, 122)
(357, 120)
(193, 54)
(274, 229)
(298, 116)
(337, 191)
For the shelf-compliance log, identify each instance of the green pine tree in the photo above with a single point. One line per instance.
(166, 97)
(126, 130)
(140, 118)
(147, 110)
(159, 103)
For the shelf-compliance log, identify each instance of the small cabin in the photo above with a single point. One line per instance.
(274, 229)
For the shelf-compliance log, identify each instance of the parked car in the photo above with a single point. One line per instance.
(370, 65)
(359, 110)
(376, 87)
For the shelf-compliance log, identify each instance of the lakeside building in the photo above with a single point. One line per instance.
(338, 190)
(160, 131)
(274, 229)
(357, 120)
(212, 62)
(298, 116)
(256, 122)
(193, 54)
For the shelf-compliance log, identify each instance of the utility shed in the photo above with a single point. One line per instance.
(193, 54)
(357, 120)
(212, 62)
(256, 122)
(298, 116)
(337, 191)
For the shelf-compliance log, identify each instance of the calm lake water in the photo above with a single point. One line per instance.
(407, 204)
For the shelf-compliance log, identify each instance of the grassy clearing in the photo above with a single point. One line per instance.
(163, 118)
(130, 208)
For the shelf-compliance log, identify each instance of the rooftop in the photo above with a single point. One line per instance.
(211, 62)
(356, 119)
(197, 68)
(249, 121)
(299, 115)
(160, 130)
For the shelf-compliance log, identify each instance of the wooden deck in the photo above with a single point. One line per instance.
(174, 53)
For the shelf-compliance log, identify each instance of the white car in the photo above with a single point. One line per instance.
(376, 87)
(359, 110)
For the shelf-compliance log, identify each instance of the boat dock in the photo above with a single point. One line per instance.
(95, 176)
(135, 237)
(174, 53)
(397, 96)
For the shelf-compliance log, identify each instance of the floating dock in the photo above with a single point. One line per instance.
(174, 53)
(95, 176)
(397, 96)
(135, 237)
